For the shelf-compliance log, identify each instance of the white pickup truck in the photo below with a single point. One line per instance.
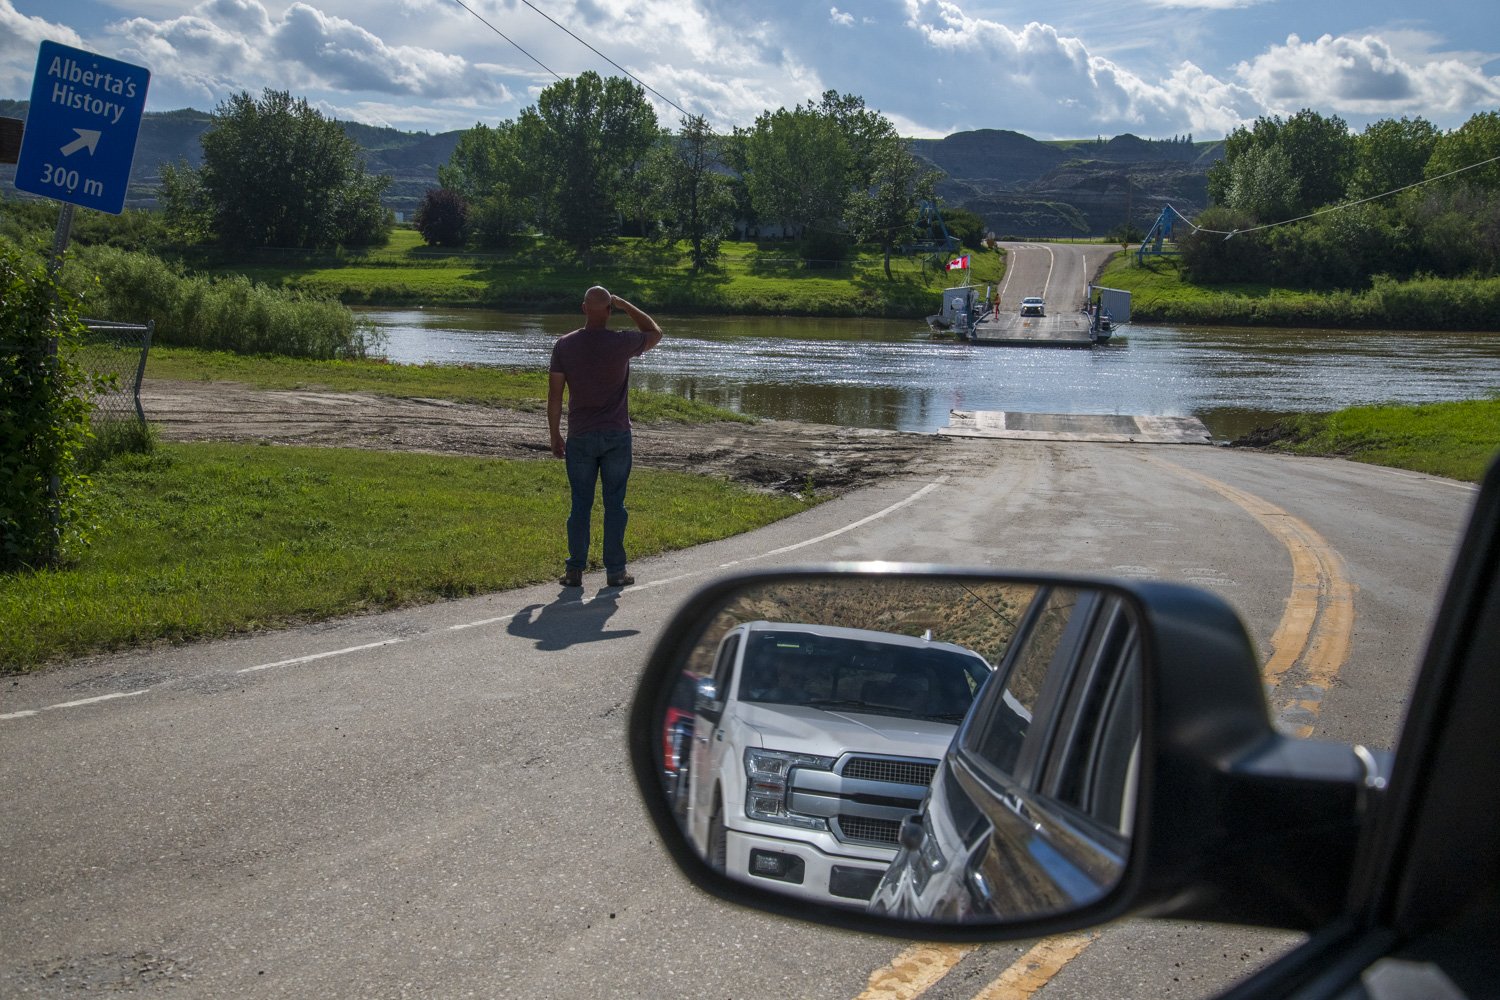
(812, 743)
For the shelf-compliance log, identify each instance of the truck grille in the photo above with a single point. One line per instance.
(873, 831)
(901, 772)
(874, 794)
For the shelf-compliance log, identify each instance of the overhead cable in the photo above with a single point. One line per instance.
(503, 35)
(606, 58)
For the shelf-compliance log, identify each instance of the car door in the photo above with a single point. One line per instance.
(708, 744)
(1036, 852)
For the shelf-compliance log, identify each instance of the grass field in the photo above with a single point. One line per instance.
(1458, 439)
(195, 541)
(749, 279)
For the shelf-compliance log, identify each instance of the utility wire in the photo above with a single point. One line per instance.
(606, 58)
(503, 35)
(580, 41)
(1332, 208)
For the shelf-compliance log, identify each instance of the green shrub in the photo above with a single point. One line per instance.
(45, 400)
(223, 314)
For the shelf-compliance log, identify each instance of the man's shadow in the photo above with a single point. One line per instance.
(565, 623)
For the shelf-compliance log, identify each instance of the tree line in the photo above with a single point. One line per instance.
(1310, 202)
(1400, 199)
(590, 161)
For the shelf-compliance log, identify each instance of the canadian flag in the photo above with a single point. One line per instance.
(959, 263)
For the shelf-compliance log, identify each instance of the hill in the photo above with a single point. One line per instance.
(1023, 187)
(410, 159)
(1020, 186)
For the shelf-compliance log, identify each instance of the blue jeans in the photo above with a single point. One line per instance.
(592, 456)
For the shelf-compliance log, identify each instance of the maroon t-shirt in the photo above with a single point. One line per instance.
(597, 366)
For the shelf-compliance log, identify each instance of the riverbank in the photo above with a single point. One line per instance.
(1456, 440)
(1453, 439)
(770, 279)
(1159, 294)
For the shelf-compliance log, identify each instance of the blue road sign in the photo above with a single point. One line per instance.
(81, 129)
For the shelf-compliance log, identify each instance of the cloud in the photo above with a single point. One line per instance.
(1049, 84)
(345, 56)
(942, 68)
(224, 46)
(20, 35)
(1364, 76)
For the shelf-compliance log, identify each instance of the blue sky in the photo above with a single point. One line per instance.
(1052, 70)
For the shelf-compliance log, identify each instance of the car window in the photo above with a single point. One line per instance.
(1090, 764)
(999, 741)
(883, 678)
(724, 665)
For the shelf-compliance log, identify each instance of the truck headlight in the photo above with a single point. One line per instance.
(768, 777)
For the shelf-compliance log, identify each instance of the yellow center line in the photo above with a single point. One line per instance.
(1036, 968)
(914, 971)
(1317, 623)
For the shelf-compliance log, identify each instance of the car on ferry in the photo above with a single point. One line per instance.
(1032, 305)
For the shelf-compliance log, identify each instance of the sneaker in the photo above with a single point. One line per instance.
(571, 578)
(620, 580)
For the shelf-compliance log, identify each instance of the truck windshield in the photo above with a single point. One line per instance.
(860, 675)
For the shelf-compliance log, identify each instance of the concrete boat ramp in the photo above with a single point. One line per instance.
(1114, 428)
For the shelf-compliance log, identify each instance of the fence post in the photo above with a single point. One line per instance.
(140, 371)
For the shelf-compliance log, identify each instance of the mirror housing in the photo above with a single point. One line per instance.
(1233, 820)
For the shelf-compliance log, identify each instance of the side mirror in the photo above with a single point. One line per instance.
(706, 696)
(967, 755)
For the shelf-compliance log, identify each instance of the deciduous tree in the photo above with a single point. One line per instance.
(585, 134)
(443, 218)
(798, 169)
(697, 201)
(885, 213)
(1390, 154)
(1318, 151)
(1476, 141)
(277, 173)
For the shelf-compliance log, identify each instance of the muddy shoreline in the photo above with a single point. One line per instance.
(772, 455)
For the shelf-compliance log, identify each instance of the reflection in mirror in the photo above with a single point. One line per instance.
(937, 748)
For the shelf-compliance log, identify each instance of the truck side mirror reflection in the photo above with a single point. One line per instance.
(950, 748)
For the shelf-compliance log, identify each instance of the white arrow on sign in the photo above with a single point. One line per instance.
(87, 138)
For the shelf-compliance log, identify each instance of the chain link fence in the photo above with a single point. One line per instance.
(116, 353)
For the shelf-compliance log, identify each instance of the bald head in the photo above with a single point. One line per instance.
(596, 303)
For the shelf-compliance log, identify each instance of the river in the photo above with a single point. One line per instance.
(891, 374)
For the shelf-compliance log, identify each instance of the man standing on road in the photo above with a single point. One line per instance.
(593, 364)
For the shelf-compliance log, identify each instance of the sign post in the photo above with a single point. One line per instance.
(81, 129)
(78, 145)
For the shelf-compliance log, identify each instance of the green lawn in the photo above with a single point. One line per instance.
(202, 540)
(1458, 440)
(750, 278)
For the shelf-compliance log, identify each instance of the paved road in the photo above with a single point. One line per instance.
(1057, 272)
(435, 802)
